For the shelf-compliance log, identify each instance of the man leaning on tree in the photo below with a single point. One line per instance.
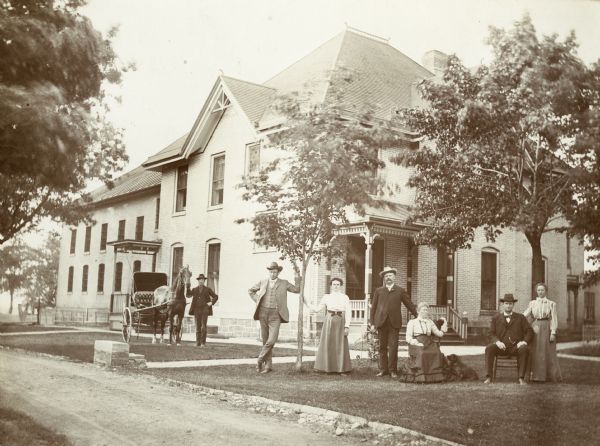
(270, 296)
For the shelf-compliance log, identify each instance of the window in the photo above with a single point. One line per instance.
(177, 262)
(409, 266)
(101, 278)
(137, 266)
(253, 158)
(103, 236)
(589, 310)
(445, 277)
(218, 180)
(139, 228)
(118, 276)
(84, 278)
(121, 234)
(73, 240)
(181, 197)
(88, 239)
(569, 253)
(214, 257)
(70, 279)
(157, 213)
(489, 274)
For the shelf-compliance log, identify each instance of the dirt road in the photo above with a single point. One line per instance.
(94, 406)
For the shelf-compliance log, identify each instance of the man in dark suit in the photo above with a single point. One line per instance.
(203, 299)
(510, 334)
(386, 316)
(270, 296)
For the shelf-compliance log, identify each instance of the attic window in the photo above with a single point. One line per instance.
(222, 103)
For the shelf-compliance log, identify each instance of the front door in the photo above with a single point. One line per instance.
(355, 266)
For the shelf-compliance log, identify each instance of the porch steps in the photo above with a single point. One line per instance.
(450, 338)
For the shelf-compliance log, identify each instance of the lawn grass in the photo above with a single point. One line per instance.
(28, 327)
(587, 349)
(79, 346)
(18, 429)
(466, 412)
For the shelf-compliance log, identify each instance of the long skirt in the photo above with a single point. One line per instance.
(425, 363)
(543, 362)
(333, 355)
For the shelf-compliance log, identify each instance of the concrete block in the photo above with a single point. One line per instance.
(111, 353)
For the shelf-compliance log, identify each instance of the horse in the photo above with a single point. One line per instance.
(174, 298)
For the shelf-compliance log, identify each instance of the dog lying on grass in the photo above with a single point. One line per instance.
(456, 370)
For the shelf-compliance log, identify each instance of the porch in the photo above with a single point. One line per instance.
(383, 238)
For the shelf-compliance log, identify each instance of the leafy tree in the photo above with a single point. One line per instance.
(498, 147)
(54, 135)
(42, 273)
(14, 258)
(584, 213)
(327, 167)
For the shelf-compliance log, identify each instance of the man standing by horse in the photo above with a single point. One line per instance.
(270, 296)
(203, 299)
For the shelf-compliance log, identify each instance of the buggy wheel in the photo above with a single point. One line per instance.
(127, 324)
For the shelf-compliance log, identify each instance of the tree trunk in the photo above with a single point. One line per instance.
(537, 263)
(300, 337)
(11, 302)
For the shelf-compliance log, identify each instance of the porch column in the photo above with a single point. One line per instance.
(369, 239)
(114, 281)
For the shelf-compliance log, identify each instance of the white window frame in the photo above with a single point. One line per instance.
(492, 250)
(210, 188)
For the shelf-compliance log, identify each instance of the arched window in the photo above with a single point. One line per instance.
(176, 260)
(118, 276)
(137, 266)
(70, 279)
(101, 278)
(489, 279)
(84, 279)
(213, 264)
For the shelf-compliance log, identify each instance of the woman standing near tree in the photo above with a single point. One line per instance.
(333, 354)
(543, 362)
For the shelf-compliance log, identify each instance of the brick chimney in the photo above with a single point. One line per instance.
(435, 61)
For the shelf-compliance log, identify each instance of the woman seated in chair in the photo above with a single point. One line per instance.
(425, 358)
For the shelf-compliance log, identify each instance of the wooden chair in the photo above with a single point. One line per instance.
(504, 362)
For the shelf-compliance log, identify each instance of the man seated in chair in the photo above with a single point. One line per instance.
(510, 334)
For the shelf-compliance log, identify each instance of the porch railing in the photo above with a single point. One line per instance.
(458, 323)
(81, 315)
(455, 320)
(591, 333)
(359, 312)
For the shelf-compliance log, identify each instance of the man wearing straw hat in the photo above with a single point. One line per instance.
(386, 316)
(271, 310)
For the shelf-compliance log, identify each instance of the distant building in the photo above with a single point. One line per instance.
(180, 208)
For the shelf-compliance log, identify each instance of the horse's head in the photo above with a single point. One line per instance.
(185, 275)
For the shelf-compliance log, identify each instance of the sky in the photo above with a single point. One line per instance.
(179, 47)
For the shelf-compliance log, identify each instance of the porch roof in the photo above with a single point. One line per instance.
(388, 218)
(136, 246)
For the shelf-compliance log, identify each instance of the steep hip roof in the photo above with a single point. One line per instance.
(354, 71)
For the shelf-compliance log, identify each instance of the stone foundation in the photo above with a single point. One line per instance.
(249, 328)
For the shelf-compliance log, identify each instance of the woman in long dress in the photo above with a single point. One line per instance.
(541, 313)
(425, 358)
(333, 354)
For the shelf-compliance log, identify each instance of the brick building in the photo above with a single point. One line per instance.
(180, 208)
